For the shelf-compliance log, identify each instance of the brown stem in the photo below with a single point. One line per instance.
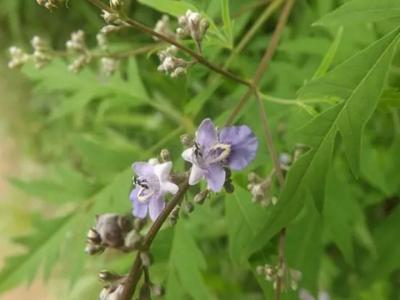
(137, 267)
(198, 57)
(269, 53)
(270, 142)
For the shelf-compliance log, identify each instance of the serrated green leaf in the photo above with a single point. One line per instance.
(226, 18)
(362, 11)
(329, 56)
(42, 249)
(363, 86)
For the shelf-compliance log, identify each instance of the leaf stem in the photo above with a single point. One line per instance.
(147, 30)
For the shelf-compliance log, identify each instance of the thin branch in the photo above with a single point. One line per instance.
(269, 53)
(137, 267)
(197, 57)
(269, 141)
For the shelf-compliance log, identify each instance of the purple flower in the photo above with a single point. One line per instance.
(233, 147)
(151, 185)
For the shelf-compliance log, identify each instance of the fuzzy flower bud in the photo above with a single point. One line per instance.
(194, 25)
(163, 27)
(108, 17)
(116, 4)
(79, 63)
(18, 58)
(109, 29)
(41, 52)
(113, 292)
(77, 41)
(109, 65)
(170, 64)
(200, 197)
(49, 4)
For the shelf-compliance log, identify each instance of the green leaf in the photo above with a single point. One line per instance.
(66, 185)
(188, 261)
(362, 11)
(42, 249)
(362, 87)
(226, 18)
(304, 245)
(361, 79)
(329, 56)
(244, 218)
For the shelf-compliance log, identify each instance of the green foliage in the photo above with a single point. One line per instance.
(334, 89)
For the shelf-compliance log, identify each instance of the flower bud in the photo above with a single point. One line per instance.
(165, 155)
(116, 4)
(145, 258)
(107, 276)
(201, 197)
(187, 140)
(157, 290)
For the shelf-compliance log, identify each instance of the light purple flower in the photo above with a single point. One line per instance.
(152, 183)
(232, 147)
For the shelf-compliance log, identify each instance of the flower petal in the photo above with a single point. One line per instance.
(139, 208)
(142, 168)
(163, 170)
(243, 143)
(188, 154)
(196, 174)
(215, 177)
(169, 187)
(206, 134)
(156, 205)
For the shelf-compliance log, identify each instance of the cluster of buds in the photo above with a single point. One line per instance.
(41, 52)
(260, 189)
(288, 277)
(116, 4)
(18, 57)
(49, 4)
(114, 285)
(170, 63)
(194, 25)
(114, 231)
(163, 27)
(76, 44)
(108, 65)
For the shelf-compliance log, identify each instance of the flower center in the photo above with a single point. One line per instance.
(218, 153)
(147, 188)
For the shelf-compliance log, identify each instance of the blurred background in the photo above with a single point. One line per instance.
(67, 141)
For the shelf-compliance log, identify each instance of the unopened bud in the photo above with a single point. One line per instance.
(157, 290)
(165, 155)
(189, 207)
(145, 258)
(107, 276)
(187, 140)
(201, 197)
